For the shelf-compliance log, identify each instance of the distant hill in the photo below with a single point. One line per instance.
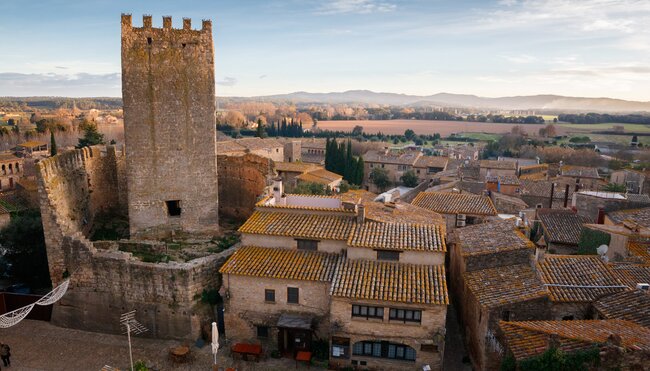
(532, 102)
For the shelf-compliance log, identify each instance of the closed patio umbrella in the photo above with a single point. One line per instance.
(215, 341)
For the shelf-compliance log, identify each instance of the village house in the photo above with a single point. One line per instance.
(574, 282)
(313, 150)
(586, 178)
(633, 180)
(263, 147)
(397, 163)
(459, 209)
(371, 305)
(326, 178)
(560, 230)
(533, 172)
(595, 205)
(506, 184)
(491, 168)
(11, 170)
(537, 193)
(32, 149)
(288, 171)
(620, 345)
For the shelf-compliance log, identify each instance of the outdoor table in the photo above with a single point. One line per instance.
(247, 349)
(305, 357)
(179, 354)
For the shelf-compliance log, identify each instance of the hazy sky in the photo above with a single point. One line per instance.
(490, 48)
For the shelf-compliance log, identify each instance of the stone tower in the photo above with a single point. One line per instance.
(168, 92)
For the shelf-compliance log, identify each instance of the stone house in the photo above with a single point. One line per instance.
(633, 306)
(586, 178)
(508, 185)
(288, 171)
(495, 294)
(633, 180)
(426, 167)
(396, 163)
(622, 345)
(561, 229)
(323, 177)
(507, 204)
(263, 147)
(459, 209)
(313, 150)
(533, 172)
(574, 282)
(594, 205)
(537, 193)
(383, 305)
(11, 170)
(33, 148)
(384, 326)
(491, 168)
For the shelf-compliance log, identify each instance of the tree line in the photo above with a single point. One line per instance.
(339, 160)
(598, 118)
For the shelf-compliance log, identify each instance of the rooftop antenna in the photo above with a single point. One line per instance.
(131, 325)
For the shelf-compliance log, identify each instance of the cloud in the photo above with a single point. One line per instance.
(80, 84)
(519, 58)
(227, 81)
(61, 67)
(356, 7)
(262, 77)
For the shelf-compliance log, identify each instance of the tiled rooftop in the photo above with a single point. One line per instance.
(398, 236)
(455, 203)
(542, 188)
(254, 144)
(328, 227)
(282, 264)
(320, 176)
(531, 338)
(508, 180)
(633, 306)
(493, 237)
(639, 251)
(295, 167)
(494, 287)
(561, 225)
(577, 278)
(400, 158)
(639, 216)
(494, 164)
(229, 146)
(388, 281)
(399, 212)
(630, 274)
(432, 161)
(579, 171)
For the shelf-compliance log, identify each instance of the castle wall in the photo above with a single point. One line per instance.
(242, 180)
(169, 127)
(73, 188)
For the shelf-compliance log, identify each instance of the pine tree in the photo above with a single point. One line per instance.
(52, 144)
(91, 137)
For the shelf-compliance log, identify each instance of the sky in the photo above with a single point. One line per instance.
(590, 48)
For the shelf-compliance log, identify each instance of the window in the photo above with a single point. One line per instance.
(340, 347)
(429, 348)
(383, 349)
(505, 315)
(309, 245)
(387, 255)
(365, 311)
(262, 331)
(567, 318)
(372, 165)
(405, 315)
(402, 167)
(149, 40)
(433, 170)
(269, 296)
(418, 171)
(173, 207)
(292, 295)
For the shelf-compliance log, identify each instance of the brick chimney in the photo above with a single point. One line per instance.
(361, 213)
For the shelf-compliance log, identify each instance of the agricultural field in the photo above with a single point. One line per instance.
(629, 128)
(444, 128)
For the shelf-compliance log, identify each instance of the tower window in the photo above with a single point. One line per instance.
(149, 40)
(173, 208)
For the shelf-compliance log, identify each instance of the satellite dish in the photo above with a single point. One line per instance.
(602, 250)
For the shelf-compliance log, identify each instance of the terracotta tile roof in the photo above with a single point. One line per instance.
(639, 216)
(471, 172)
(633, 306)
(258, 143)
(382, 157)
(643, 199)
(295, 167)
(542, 188)
(229, 146)
(494, 287)
(326, 227)
(532, 338)
(639, 251)
(388, 281)
(320, 176)
(9, 157)
(455, 203)
(489, 238)
(508, 180)
(579, 171)
(577, 278)
(631, 274)
(398, 236)
(494, 164)
(282, 264)
(399, 212)
(32, 144)
(561, 225)
(431, 161)
(313, 143)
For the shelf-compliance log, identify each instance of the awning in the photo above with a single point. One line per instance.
(295, 321)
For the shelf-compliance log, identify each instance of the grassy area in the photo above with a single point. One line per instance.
(620, 139)
(549, 118)
(636, 128)
(481, 136)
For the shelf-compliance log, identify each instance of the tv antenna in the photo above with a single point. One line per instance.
(131, 325)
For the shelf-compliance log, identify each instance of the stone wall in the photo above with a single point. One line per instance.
(73, 188)
(242, 181)
(168, 91)
(588, 205)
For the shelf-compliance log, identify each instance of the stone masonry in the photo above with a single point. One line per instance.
(168, 91)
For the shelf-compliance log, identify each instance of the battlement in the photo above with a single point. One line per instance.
(147, 24)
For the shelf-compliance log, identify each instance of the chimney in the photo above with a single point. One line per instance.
(550, 203)
(566, 195)
(278, 191)
(361, 213)
(540, 253)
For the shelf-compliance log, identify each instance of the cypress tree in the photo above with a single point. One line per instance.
(52, 144)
